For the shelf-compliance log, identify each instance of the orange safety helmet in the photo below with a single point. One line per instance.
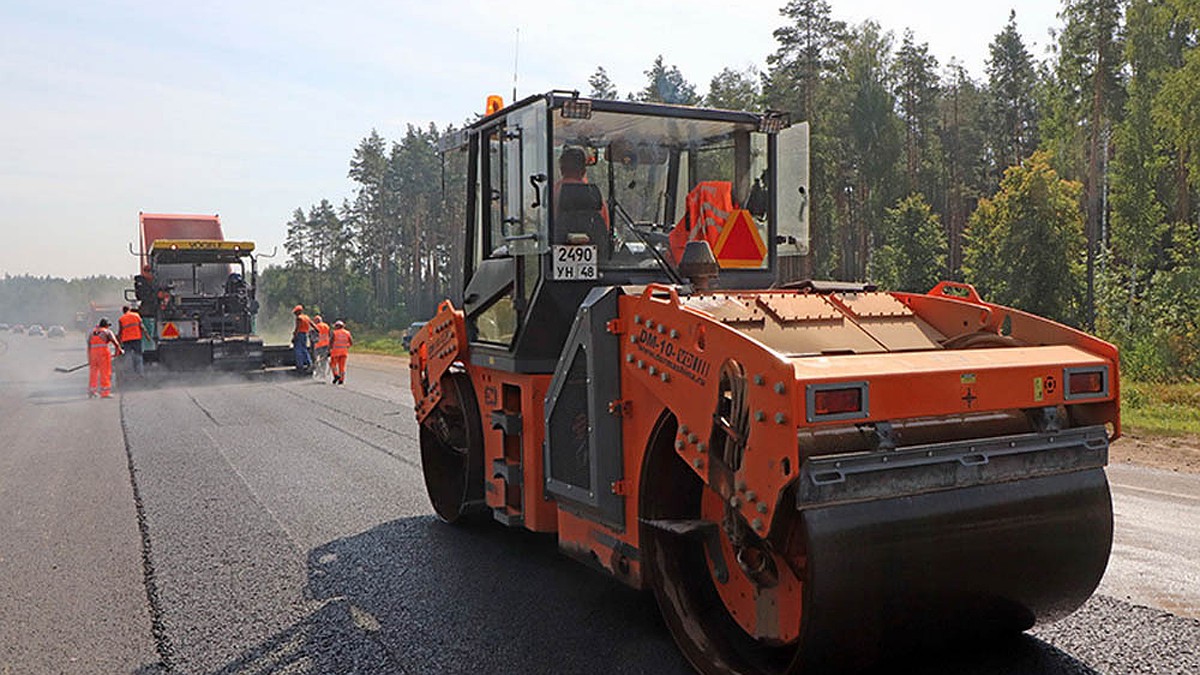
(317, 318)
(297, 309)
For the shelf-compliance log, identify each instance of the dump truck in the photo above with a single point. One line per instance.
(808, 476)
(197, 294)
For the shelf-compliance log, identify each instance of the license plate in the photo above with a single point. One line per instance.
(574, 263)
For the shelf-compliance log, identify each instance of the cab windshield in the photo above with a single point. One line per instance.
(196, 279)
(630, 183)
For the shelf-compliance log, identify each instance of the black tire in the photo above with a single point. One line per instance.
(678, 573)
(452, 452)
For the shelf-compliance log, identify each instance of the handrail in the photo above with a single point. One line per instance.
(648, 293)
(966, 292)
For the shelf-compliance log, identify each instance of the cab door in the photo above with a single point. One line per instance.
(510, 225)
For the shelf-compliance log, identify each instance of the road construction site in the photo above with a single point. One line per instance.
(269, 523)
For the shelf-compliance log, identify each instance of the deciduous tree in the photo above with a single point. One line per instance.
(914, 256)
(1025, 245)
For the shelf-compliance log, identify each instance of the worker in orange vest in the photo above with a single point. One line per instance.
(130, 331)
(708, 206)
(339, 349)
(321, 347)
(100, 359)
(300, 339)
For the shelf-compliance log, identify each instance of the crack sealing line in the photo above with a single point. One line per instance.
(372, 444)
(158, 628)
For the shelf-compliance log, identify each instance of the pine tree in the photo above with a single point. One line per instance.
(1012, 106)
(370, 215)
(1140, 164)
(799, 80)
(1088, 84)
(1177, 111)
(962, 138)
(917, 92)
(871, 148)
(602, 86)
(735, 90)
(665, 84)
(804, 58)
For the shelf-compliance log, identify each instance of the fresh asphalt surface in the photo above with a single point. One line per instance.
(279, 525)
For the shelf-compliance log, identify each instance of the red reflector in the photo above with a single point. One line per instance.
(837, 401)
(1091, 382)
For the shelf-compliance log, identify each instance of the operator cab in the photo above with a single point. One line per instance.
(567, 193)
(203, 288)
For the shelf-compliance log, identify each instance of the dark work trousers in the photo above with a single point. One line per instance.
(133, 354)
(300, 346)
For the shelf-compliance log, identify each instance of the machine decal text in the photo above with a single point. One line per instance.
(677, 358)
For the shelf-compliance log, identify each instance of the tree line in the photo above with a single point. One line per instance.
(52, 301)
(1065, 185)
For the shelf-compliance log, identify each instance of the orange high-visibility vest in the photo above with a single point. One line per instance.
(322, 335)
(99, 338)
(341, 342)
(131, 326)
(303, 323)
(708, 206)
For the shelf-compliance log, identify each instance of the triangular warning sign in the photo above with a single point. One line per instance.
(740, 244)
(170, 331)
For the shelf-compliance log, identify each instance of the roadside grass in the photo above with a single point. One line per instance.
(1165, 409)
(376, 342)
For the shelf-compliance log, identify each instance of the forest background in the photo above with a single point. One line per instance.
(1067, 186)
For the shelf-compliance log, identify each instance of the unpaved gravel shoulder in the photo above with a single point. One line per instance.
(1171, 453)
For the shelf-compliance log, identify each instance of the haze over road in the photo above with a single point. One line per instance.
(287, 530)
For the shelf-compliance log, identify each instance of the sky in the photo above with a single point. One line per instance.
(250, 109)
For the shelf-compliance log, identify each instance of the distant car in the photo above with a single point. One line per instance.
(5, 327)
(56, 331)
(18, 329)
(406, 338)
(36, 329)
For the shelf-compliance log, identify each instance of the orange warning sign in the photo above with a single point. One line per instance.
(740, 244)
(170, 331)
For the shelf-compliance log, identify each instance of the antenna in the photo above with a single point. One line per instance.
(516, 61)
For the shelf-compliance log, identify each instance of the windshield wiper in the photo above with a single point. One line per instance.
(662, 262)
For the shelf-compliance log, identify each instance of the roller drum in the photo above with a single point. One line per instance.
(891, 576)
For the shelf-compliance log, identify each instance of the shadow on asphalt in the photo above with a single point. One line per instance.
(419, 596)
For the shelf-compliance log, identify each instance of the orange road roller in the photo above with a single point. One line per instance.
(809, 476)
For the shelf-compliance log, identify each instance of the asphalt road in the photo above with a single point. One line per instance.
(276, 525)
(1156, 547)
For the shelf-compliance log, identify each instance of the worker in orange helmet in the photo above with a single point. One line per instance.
(320, 347)
(339, 349)
(100, 359)
(300, 339)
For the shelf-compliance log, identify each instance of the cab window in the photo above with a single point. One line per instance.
(655, 183)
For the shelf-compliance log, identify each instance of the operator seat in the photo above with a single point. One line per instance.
(578, 211)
